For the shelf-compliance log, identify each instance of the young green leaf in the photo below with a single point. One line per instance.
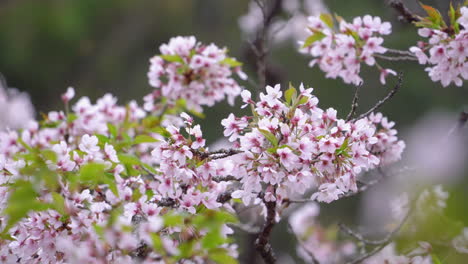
(269, 136)
(172, 58)
(290, 94)
(144, 139)
(317, 36)
(327, 19)
(231, 62)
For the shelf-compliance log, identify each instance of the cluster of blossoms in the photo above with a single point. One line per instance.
(446, 51)
(317, 240)
(106, 183)
(419, 255)
(340, 54)
(188, 70)
(15, 107)
(293, 145)
(102, 203)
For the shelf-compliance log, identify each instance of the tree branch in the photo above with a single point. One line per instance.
(405, 13)
(217, 154)
(270, 9)
(311, 255)
(380, 244)
(400, 58)
(385, 99)
(262, 243)
(354, 103)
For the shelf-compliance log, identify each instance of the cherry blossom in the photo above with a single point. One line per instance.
(295, 146)
(340, 54)
(16, 109)
(313, 241)
(445, 52)
(197, 73)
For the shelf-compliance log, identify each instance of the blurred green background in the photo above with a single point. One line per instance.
(104, 46)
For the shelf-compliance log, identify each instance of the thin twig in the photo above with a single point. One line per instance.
(383, 243)
(400, 58)
(301, 243)
(462, 120)
(385, 99)
(250, 229)
(354, 103)
(405, 13)
(362, 186)
(401, 52)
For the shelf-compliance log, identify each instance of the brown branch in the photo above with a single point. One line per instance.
(354, 103)
(262, 243)
(270, 9)
(167, 202)
(405, 14)
(463, 119)
(217, 154)
(400, 52)
(223, 179)
(224, 197)
(385, 99)
(400, 58)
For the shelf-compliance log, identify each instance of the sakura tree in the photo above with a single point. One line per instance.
(102, 182)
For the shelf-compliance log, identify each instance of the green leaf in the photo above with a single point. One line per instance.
(149, 168)
(196, 113)
(102, 139)
(272, 150)
(269, 136)
(161, 131)
(112, 130)
(23, 199)
(71, 117)
(172, 58)
(172, 220)
(452, 14)
(343, 147)
(327, 19)
(92, 173)
(110, 181)
(231, 62)
(49, 155)
(290, 94)
(157, 243)
(59, 203)
(99, 230)
(129, 159)
(225, 217)
(213, 239)
(434, 15)
(317, 36)
(435, 259)
(144, 139)
(220, 255)
(186, 249)
(303, 100)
